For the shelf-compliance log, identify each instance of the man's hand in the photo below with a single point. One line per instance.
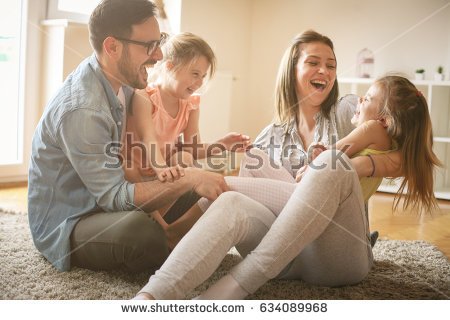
(207, 184)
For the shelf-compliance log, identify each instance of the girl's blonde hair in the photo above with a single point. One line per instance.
(409, 125)
(183, 48)
(286, 99)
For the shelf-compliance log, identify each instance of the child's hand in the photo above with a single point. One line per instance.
(300, 173)
(314, 150)
(235, 142)
(169, 174)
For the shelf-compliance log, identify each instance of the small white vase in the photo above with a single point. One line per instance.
(419, 76)
(438, 77)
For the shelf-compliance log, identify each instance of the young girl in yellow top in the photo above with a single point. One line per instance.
(173, 108)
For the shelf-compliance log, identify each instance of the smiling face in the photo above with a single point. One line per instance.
(134, 61)
(369, 106)
(315, 72)
(187, 79)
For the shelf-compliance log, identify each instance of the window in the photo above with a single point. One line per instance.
(11, 108)
(19, 108)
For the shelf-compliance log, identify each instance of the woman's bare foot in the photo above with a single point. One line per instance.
(143, 296)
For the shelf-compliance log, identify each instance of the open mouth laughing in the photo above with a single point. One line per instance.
(319, 84)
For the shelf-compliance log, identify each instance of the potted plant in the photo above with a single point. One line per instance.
(439, 75)
(420, 74)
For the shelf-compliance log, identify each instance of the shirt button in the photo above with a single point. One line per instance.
(119, 123)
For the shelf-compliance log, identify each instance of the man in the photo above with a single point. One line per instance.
(82, 212)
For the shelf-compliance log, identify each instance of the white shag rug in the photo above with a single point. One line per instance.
(402, 270)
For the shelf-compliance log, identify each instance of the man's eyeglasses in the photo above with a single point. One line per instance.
(151, 45)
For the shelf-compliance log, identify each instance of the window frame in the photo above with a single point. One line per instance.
(54, 13)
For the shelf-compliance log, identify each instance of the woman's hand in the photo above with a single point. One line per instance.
(235, 142)
(300, 173)
(315, 149)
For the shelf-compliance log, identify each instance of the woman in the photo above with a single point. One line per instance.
(321, 236)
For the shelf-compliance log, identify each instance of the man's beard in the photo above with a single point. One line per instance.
(126, 69)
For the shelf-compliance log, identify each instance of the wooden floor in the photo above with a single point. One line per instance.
(434, 227)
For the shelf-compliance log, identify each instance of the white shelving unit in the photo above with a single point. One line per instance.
(437, 94)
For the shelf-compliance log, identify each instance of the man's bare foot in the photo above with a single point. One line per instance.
(143, 296)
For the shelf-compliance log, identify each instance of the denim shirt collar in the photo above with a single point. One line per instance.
(114, 103)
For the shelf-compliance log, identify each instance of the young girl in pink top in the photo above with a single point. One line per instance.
(173, 109)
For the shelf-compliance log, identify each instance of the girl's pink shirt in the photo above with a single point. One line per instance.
(168, 128)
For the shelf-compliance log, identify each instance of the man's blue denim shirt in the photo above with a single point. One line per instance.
(73, 167)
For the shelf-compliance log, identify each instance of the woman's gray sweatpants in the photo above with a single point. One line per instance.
(321, 236)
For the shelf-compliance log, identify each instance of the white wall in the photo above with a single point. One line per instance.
(225, 25)
(250, 36)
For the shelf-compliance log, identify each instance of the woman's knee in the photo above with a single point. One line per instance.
(228, 203)
(332, 171)
(332, 159)
(236, 209)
